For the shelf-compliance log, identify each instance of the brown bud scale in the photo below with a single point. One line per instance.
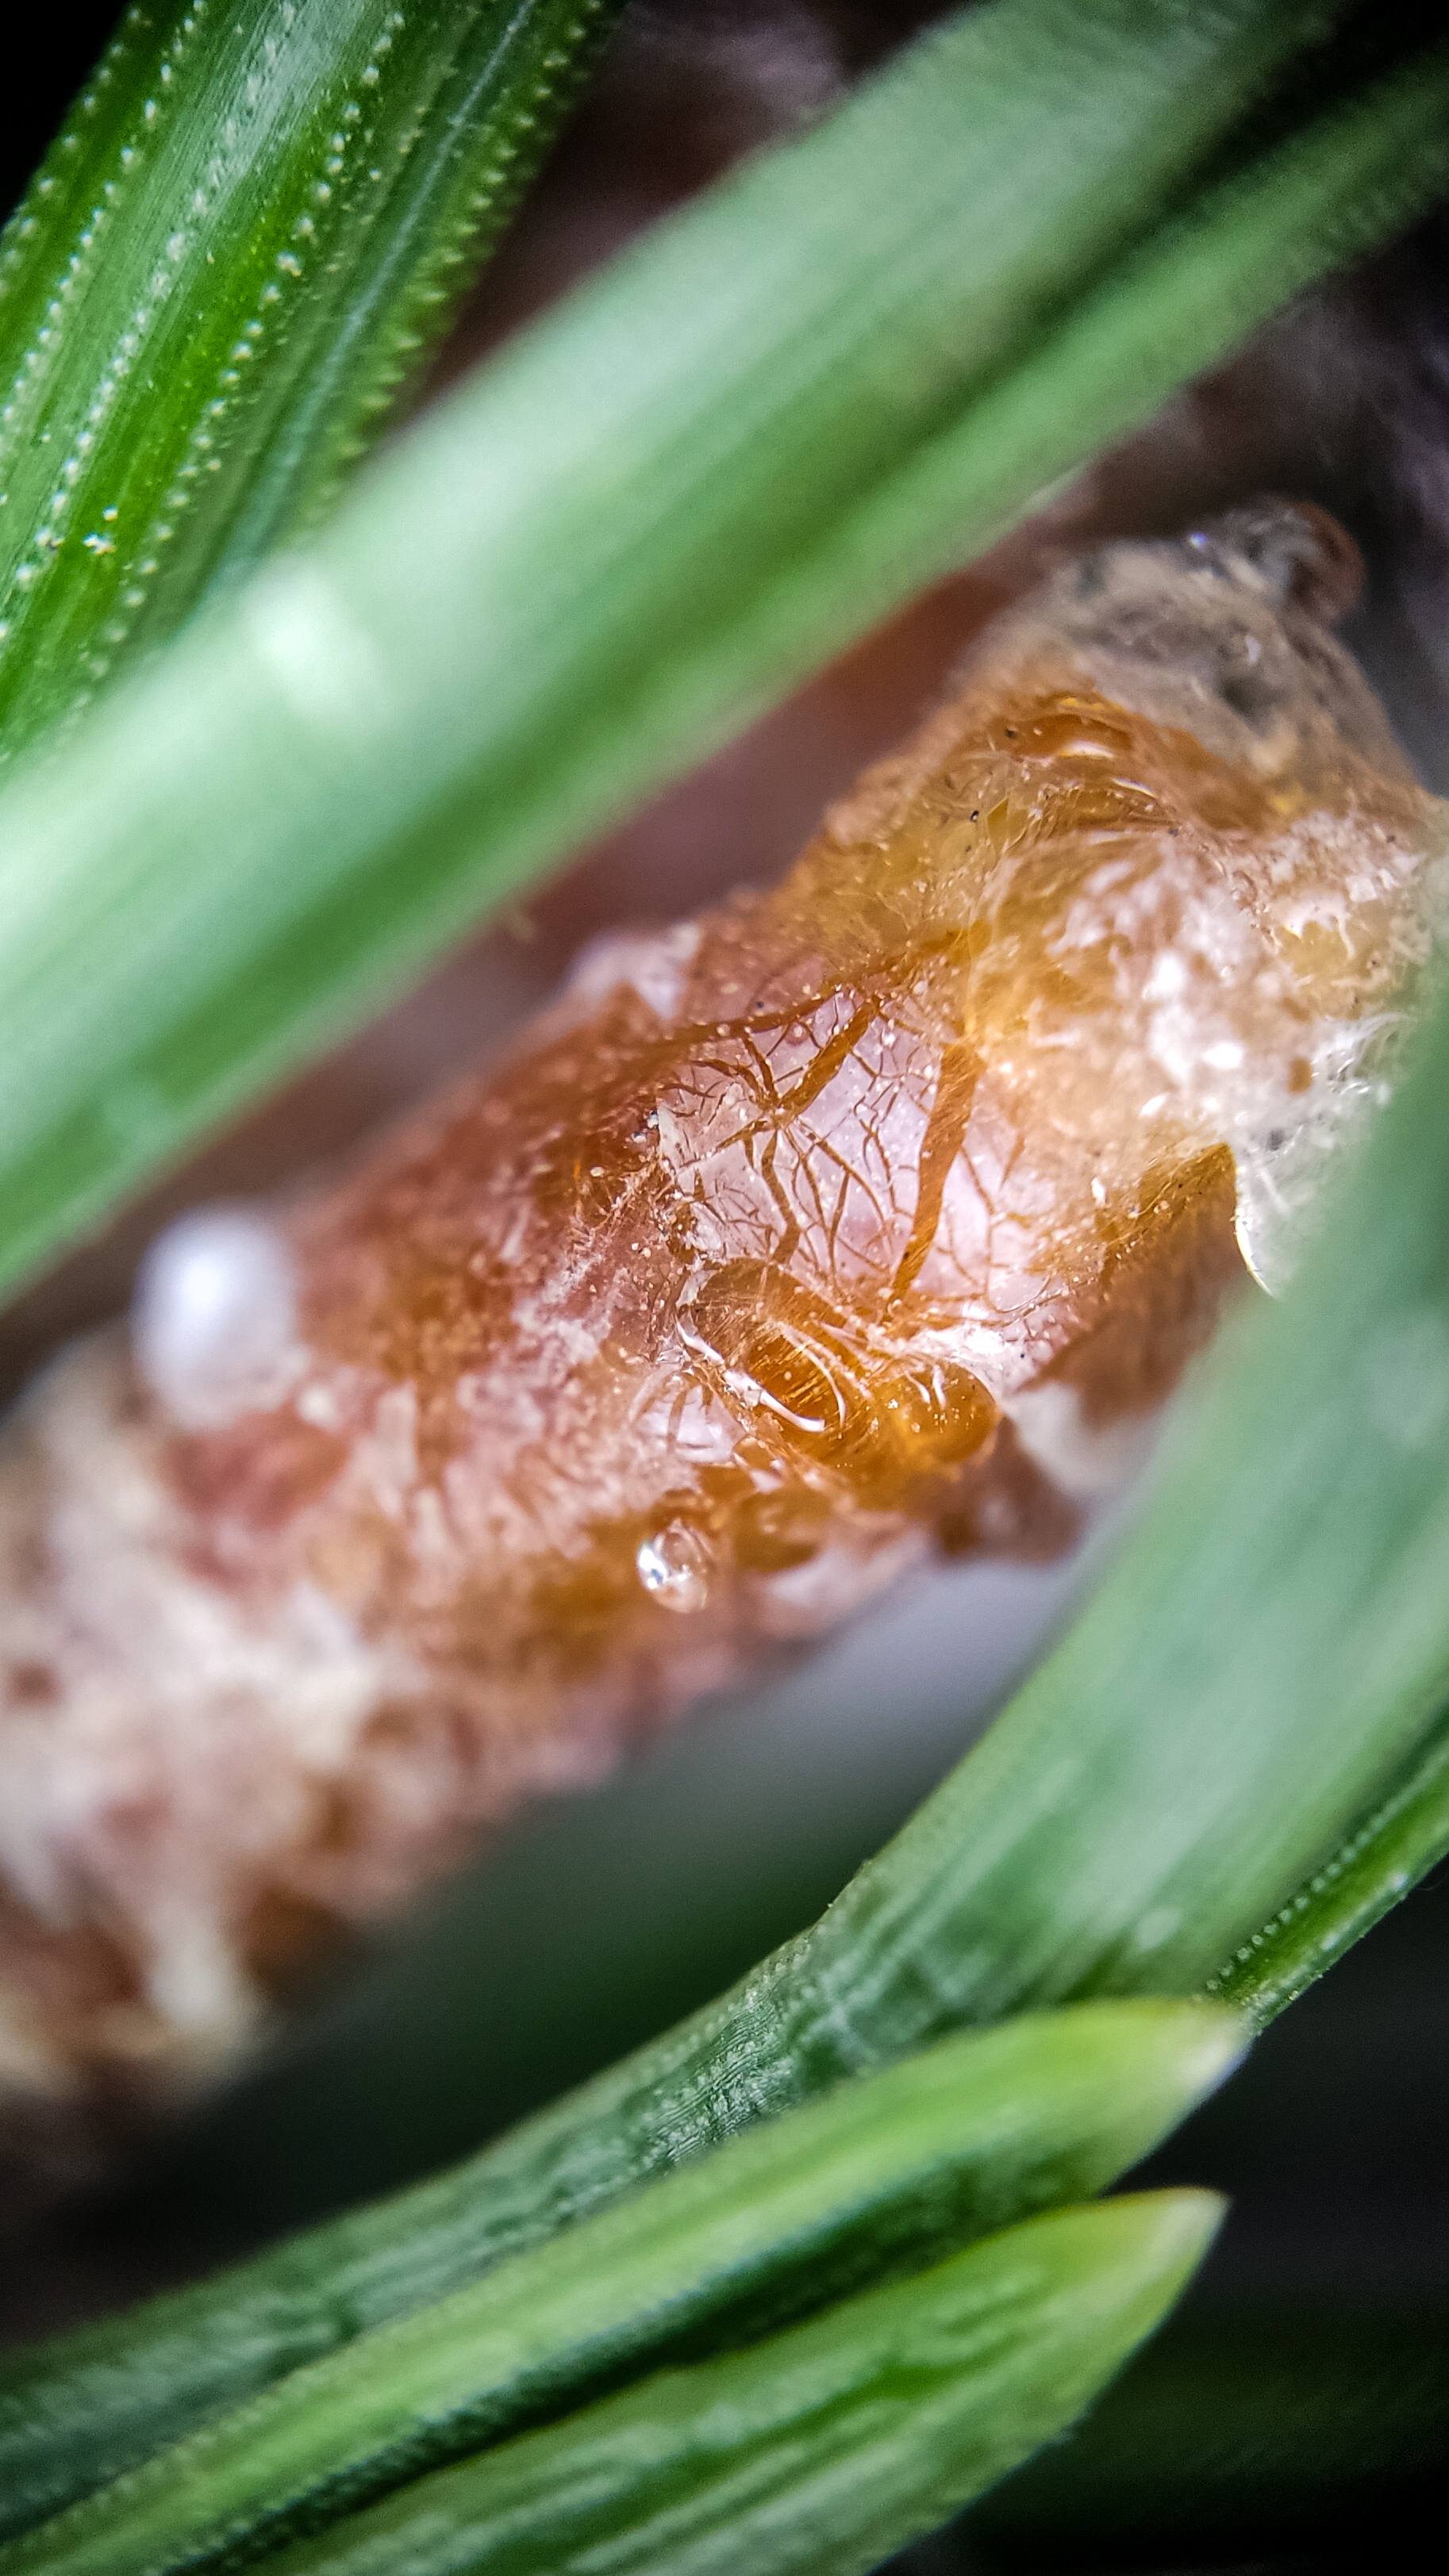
(865, 1216)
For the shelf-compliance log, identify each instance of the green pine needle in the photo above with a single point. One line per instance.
(225, 275)
(822, 2450)
(882, 2177)
(682, 490)
(1395, 1845)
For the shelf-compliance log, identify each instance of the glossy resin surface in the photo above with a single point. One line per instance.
(867, 1216)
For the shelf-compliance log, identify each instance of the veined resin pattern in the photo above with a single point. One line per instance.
(861, 1218)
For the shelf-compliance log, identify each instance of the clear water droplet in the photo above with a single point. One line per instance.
(673, 1566)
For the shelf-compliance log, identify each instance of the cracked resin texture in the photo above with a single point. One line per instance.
(864, 1216)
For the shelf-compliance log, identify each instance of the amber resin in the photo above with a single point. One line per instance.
(866, 1216)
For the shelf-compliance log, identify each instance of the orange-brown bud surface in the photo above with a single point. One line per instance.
(860, 1217)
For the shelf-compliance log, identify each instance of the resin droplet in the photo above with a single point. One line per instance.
(673, 1567)
(866, 1216)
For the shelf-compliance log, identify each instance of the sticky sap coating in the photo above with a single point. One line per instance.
(860, 1217)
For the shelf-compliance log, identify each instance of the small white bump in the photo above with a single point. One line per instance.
(213, 1325)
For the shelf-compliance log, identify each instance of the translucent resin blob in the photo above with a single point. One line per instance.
(864, 1217)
